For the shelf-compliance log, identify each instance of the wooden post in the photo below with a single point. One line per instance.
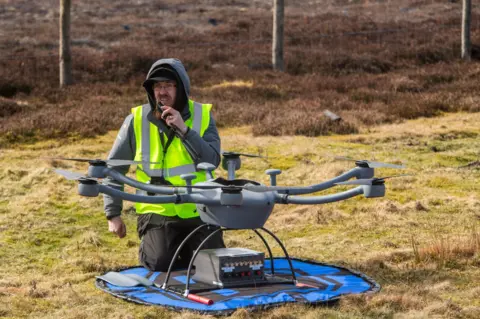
(65, 57)
(466, 22)
(277, 43)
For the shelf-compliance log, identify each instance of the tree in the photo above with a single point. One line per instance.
(277, 43)
(466, 22)
(65, 57)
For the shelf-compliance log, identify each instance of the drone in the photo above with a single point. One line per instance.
(228, 204)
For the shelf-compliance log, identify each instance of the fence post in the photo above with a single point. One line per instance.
(64, 54)
(466, 22)
(277, 43)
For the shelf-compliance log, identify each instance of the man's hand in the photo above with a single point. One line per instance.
(173, 119)
(117, 226)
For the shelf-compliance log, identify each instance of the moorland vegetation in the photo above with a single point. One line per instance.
(370, 67)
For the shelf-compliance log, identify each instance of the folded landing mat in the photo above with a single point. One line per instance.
(330, 282)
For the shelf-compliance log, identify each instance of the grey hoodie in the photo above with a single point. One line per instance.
(201, 149)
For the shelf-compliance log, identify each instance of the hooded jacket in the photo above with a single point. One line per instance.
(180, 74)
(201, 149)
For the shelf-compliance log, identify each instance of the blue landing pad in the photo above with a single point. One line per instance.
(330, 283)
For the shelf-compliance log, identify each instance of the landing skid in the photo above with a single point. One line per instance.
(269, 279)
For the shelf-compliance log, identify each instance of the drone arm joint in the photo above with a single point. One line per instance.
(178, 199)
(283, 198)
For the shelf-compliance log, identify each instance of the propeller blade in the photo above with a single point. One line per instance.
(111, 162)
(72, 176)
(85, 160)
(226, 153)
(370, 164)
(379, 165)
(250, 155)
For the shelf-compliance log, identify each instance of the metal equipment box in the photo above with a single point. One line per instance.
(228, 267)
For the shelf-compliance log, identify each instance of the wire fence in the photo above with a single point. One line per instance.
(256, 50)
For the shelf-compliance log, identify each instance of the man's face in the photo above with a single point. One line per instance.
(165, 92)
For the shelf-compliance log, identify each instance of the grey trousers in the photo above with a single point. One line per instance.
(162, 235)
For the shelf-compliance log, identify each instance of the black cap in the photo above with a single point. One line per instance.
(162, 74)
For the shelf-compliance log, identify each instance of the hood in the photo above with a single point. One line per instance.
(183, 81)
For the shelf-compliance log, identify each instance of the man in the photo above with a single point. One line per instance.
(178, 133)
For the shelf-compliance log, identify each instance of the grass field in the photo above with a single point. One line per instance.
(405, 97)
(421, 242)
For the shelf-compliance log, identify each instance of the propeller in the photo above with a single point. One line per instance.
(371, 164)
(73, 176)
(370, 181)
(111, 162)
(236, 154)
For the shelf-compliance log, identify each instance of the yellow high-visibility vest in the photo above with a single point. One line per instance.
(177, 160)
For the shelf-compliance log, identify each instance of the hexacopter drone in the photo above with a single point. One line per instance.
(228, 204)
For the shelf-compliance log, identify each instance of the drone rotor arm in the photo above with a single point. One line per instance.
(313, 200)
(146, 187)
(139, 198)
(355, 172)
(295, 190)
(196, 198)
(158, 189)
(360, 181)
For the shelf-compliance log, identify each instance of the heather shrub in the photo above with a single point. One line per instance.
(10, 88)
(347, 64)
(368, 71)
(8, 107)
(301, 123)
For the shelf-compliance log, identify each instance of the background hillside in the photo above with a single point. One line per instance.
(370, 61)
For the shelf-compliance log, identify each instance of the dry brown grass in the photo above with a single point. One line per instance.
(53, 242)
(448, 251)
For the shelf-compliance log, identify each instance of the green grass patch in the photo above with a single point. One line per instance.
(54, 242)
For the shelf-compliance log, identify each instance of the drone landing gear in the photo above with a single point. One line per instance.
(261, 278)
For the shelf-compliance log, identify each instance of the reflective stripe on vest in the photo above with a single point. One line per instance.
(177, 160)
